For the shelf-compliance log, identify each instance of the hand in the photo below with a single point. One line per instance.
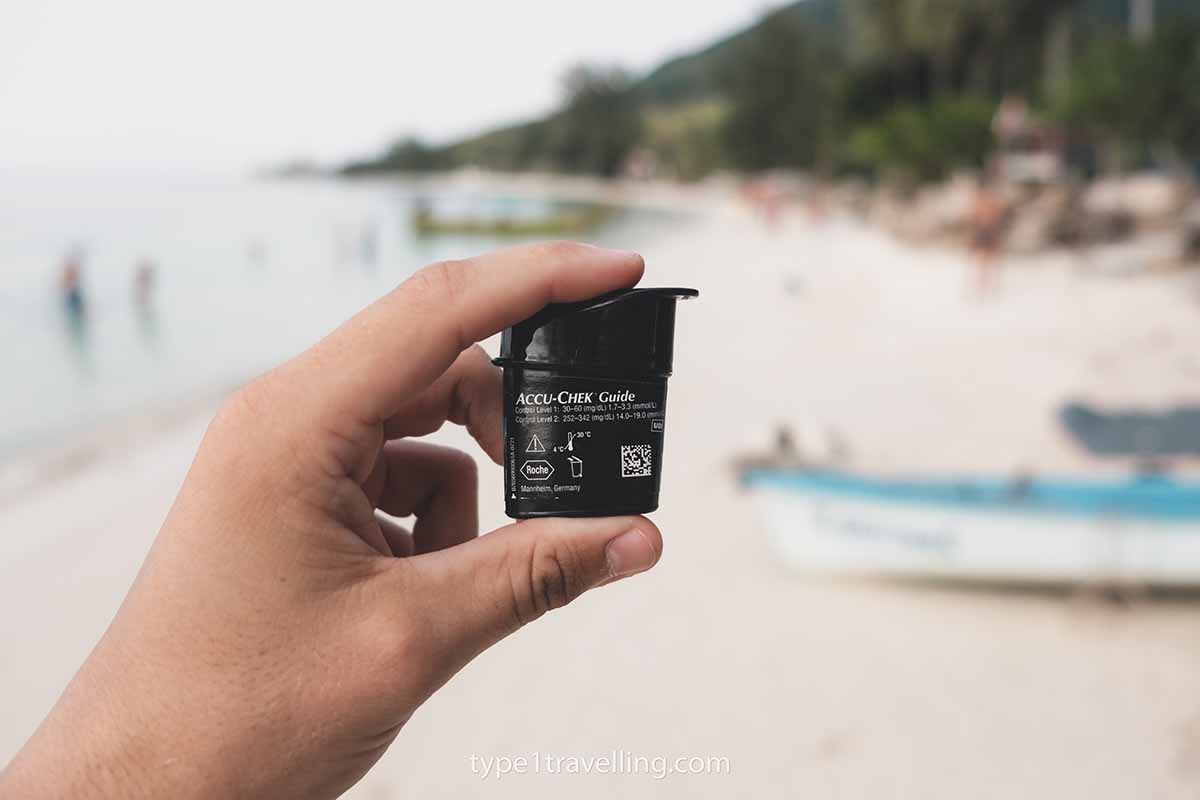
(274, 643)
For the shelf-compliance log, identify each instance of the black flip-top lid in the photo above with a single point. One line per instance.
(628, 332)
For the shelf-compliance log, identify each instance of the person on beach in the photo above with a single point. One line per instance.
(282, 631)
(987, 233)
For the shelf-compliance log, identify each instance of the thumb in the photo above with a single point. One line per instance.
(478, 592)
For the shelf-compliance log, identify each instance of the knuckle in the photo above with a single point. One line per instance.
(549, 577)
(477, 354)
(253, 431)
(464, 467)
(247, 406)
(440, 283)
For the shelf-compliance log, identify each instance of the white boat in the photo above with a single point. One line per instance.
(1142, 531)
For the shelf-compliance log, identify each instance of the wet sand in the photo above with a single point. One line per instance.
(808, 686)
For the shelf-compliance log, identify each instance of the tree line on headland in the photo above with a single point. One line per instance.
(880, 88)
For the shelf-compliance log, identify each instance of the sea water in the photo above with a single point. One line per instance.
(247, 272)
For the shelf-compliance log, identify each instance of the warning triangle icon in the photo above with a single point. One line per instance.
(535, 445)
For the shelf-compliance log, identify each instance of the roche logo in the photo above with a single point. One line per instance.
(537, 470)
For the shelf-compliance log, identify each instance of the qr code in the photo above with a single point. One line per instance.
(636, 461)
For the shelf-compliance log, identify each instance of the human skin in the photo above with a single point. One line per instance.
(281, 631)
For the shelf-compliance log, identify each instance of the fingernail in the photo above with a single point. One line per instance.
(629, 553)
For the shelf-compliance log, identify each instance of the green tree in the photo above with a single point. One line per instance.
(413, 155)
(1139, 97)
(599, 126)
(979, 46)
(686, 138)
(925, 142)
(780, 88)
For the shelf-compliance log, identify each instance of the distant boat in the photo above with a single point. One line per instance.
(1139, 531)
(508, 217)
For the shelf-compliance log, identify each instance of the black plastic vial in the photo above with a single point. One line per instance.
(585, 402)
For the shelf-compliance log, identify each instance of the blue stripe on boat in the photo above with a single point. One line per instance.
(1149, 497)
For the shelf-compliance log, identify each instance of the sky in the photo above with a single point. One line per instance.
(242, 84)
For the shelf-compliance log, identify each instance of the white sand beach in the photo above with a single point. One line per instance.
(809, 687)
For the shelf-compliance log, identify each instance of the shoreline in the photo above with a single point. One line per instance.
(39, 466)
(1034, 285)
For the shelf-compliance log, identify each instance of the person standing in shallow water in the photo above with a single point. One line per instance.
(144, 279)
(70, 287)
(145, 283)
(74, 304)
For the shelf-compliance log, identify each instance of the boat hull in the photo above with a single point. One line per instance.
(845, 532)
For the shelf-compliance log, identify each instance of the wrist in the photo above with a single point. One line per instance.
(103, 739)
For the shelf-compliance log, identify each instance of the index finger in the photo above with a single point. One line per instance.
(404, 341)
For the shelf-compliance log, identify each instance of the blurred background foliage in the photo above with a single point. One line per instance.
(1139, 100)
(923, 142)
(879, 87)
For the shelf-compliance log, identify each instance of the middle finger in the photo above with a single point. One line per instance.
(438, 485)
